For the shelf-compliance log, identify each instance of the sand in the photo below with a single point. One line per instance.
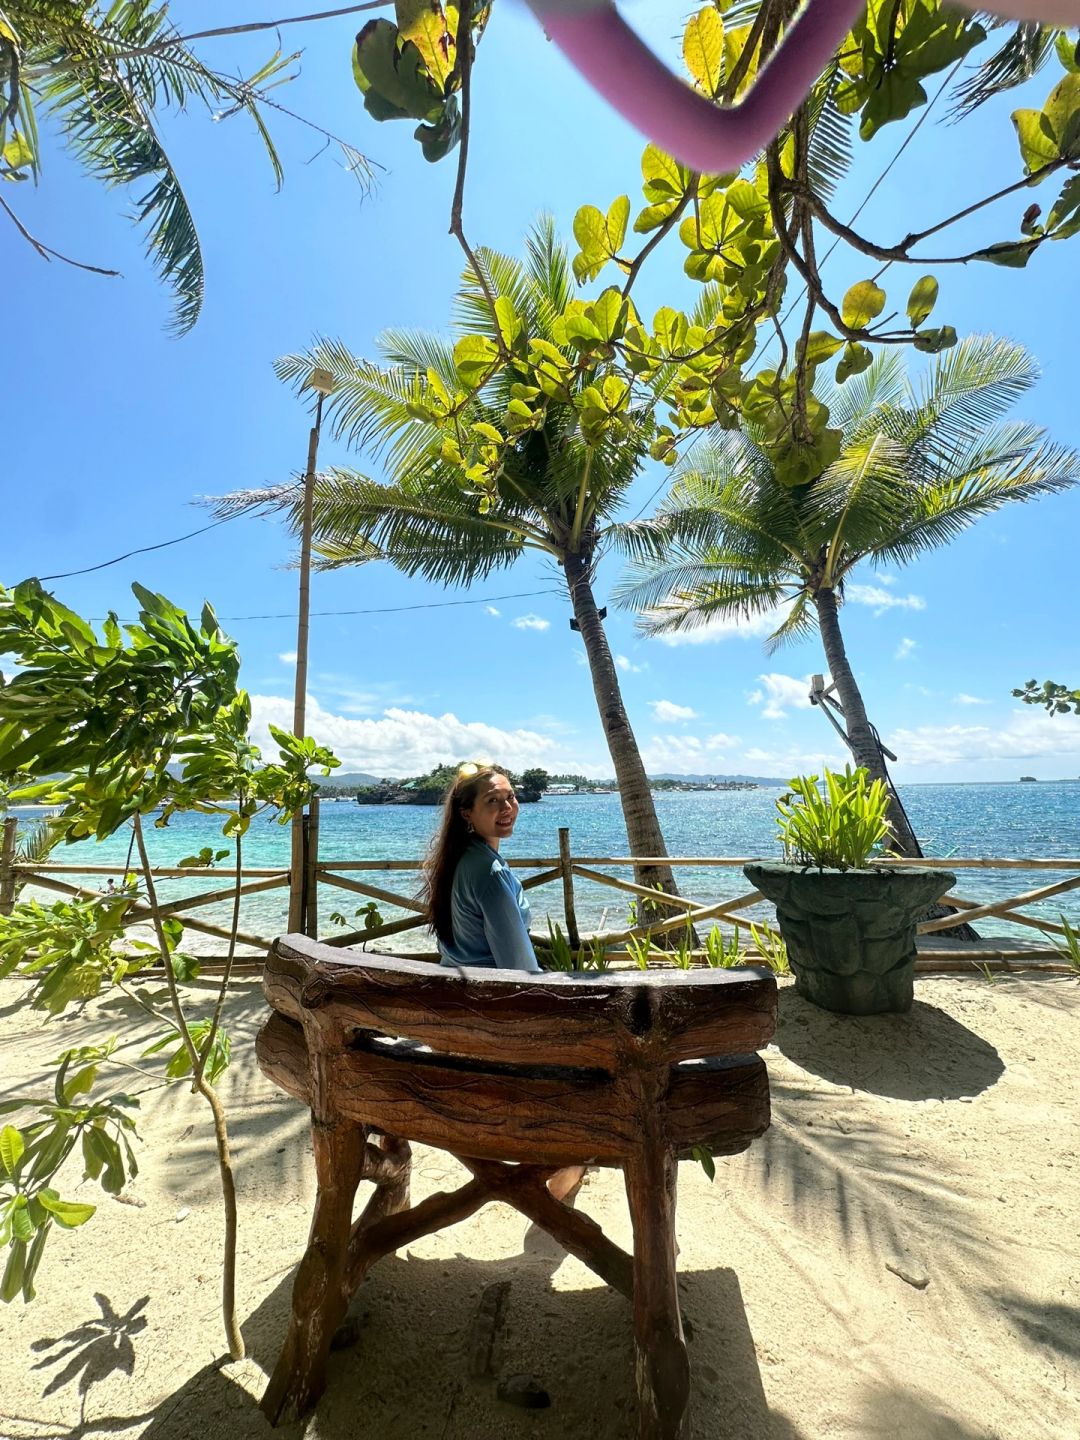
(943, 1144)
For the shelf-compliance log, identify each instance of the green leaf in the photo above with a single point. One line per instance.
(68, 1213)
(1068, 52)
(855, 359)
(1014, 255)
(394, 81)
(1064, 218)
(12, 1146)
(510, 325)
(703, 49)
(617, 216)
(17, 152)
(474, 357)
(704, 1158)
(664, 178)
(931, 341)
(1062, 111)
(1038, 146)
(862, 303)
(921, 301)
(820, 345)
(13, 1271)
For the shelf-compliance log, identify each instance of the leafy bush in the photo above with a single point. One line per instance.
(838, 829)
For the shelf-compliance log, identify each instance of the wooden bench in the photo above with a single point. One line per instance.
(518, 1076)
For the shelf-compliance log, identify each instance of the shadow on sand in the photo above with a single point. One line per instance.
(923, 1055)
(406, 1375)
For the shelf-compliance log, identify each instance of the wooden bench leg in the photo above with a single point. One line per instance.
(662, 1364)
(321, 1290)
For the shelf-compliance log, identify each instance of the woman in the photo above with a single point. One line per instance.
(475, 903)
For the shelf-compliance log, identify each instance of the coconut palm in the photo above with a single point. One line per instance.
(558, 488)
(103, 74)
(917, 466)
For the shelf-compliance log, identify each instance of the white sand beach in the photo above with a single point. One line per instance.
(942, 1143)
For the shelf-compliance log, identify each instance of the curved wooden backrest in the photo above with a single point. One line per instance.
(514, 1018)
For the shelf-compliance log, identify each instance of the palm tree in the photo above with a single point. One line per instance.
(916, 468)
(103, 74)
(558, 485)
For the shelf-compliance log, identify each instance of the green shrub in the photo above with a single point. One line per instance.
(838, 829)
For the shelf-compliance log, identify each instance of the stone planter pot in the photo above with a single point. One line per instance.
(850, 934)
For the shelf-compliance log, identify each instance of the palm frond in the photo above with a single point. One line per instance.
(967, 390)
(829, 150)
(799, 623)
(1023, 55)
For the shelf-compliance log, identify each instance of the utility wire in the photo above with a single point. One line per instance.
(144, 549)
(397, 609)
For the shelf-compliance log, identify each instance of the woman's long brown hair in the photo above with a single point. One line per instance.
(451, 841)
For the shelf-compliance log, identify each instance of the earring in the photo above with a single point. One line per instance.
(469, 827)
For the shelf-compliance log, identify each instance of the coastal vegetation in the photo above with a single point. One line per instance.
(914, 468)
(144, 719)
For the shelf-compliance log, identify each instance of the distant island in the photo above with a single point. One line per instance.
(530, 786)
(1028, 780)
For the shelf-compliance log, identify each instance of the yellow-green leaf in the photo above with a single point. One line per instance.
(1038, 147)
(922, 299)
(11, 1148)
(617, 216)
(664, 178)
(703, 49)
(862, 303)
(1062, 111)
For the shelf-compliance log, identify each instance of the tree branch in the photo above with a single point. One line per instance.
(46, 251)
(463, 47)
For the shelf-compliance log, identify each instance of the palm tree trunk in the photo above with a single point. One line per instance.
(861, 737)
(639, 812)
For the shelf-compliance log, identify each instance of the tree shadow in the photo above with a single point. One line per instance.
(94, 1349)
(891, 1411)
(922, 1055)
(406, 1375)
(1057, 1327)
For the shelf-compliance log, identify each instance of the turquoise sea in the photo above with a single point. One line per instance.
(1000, 820)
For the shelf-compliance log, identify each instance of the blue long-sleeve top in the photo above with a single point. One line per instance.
(489, 913)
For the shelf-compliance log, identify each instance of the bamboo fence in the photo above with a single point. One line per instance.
(563, 869)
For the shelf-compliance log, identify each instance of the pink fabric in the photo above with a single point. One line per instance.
(703, 136)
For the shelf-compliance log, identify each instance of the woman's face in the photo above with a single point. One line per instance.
(493, 812)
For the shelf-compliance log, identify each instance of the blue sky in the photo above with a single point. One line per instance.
(114, 428)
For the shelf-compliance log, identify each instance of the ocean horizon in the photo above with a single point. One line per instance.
(997, 819)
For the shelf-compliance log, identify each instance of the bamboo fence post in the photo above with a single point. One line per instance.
(566, 865)
(311, 870)
(7, 861)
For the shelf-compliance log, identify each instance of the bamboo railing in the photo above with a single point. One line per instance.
(936, 952)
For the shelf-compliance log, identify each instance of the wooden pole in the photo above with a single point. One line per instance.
(311, 878)
(321, 381)
(7, 861)
(566, 865)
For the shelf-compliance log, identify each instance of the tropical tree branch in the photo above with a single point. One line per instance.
(46, 251)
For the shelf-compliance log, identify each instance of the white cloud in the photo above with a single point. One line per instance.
(531, 622)
(686, 753)
(625, 663)
(754, 627)
(904, 649)
(963, 699)
(402, 742)
(787, 762)
(287, 657)
(667, 711)
(779, 694)
(882, 600)
(580, 658)
(491, 610)
(1025, 736)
